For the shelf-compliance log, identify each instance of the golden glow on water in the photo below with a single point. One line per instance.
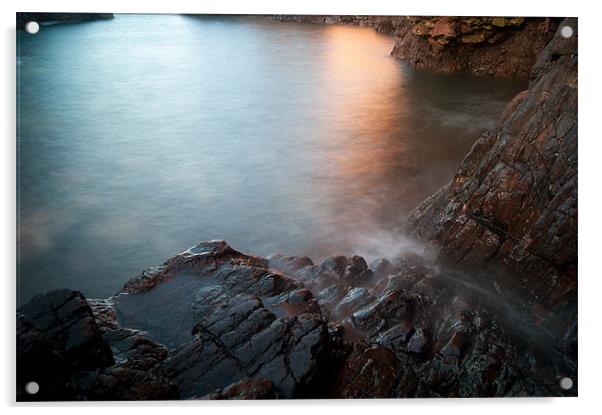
(362, 103)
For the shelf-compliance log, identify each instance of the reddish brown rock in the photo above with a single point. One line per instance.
(497, 46)
(509, 217)
(444, 27)
(121, 384)
(368, 372)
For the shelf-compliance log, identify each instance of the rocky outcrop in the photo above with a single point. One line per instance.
(414, 335)
(499, 46)
(214, 323)
(509, 216)
(61, 347)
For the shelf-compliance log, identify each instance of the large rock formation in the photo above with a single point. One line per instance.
(61, 347)
(213, 323)
(481, 45)
(509, 216)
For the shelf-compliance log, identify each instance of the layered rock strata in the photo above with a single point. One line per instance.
(496, 46)
(509, 216)
(213, 323)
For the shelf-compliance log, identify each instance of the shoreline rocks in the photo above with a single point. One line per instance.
(498, 46)
(214, 323)
(509, 216)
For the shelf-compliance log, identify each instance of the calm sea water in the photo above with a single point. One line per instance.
(143, 135)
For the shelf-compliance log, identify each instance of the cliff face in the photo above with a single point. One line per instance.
(509, 215)
(481, 45)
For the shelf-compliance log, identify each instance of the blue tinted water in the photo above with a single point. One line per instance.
(143, 135)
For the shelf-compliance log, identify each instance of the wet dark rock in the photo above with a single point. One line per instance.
(392, 307)
(404, 279)
(419, 343)
(289, 264)
(147, 280)
(41, 361)
(131, 348)
(396, 337)
(331, 295)
(218, 324)
(121, 384)
(352, 301)
(246, 390)
(201, 278)
(285, 351)
(357, 269)
(301, 301)
(455, 345)
(369, 371)
(350, 270)
(333, 266)
(381, 268)
(62, 348)
(64, 317)
(509, 216)
(228, 316)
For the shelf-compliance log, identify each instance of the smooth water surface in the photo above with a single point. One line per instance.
(143, 135)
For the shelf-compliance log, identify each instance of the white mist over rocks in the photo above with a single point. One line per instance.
(390, 245)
